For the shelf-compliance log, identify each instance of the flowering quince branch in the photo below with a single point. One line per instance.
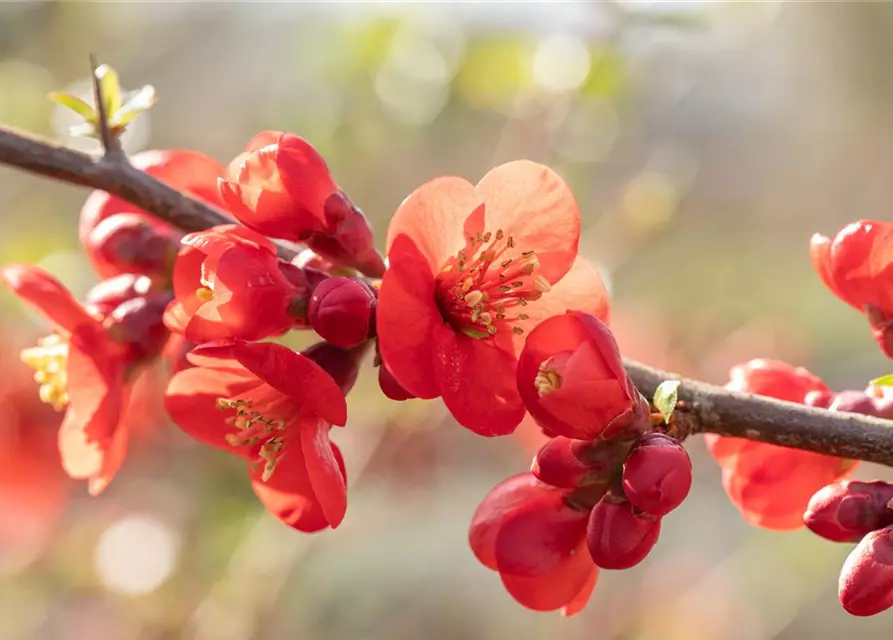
(707, 408)
(483, 302)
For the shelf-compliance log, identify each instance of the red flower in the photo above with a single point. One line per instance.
(273, 407)
(342, 311)
(572, 379)
(134, 243)
(527, 532)
(281, 187)
(772, 485)
(657, 474)
(857, 266)
(183, 170)
(618, 537)
(87, 368)
(230, 284)
(472, 269)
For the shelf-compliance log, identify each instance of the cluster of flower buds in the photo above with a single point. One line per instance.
(772, 485)
(597, 490)
(862, 512)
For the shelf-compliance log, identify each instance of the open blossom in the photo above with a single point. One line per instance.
(87, 367)
(189, 171)
(281, 187)
(572, 380)
(857, 266)
(230, 283)
(472, 269)
(33, 487)
(772, 485)
(525, 530)
(273, 407)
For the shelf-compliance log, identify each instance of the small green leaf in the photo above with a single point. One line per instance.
(665, 397)
(111, 88)
(883, 381)
(72, 102)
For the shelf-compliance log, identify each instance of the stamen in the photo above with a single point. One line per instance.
(547, 379)
(50, 361)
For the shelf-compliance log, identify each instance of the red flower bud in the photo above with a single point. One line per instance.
(134, 243)
(342, 364)
(137, 324)
(111, 292)
(342, 311)
(866, 579)
(389, 385)
(572, 379)
(558, 465)
(847, 511)
(618, 538)
(657, 474)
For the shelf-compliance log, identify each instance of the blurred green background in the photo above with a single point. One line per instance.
(705, 144)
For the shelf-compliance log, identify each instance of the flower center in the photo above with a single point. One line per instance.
(255, 430)
(479, 292)
(547, 379)
(50, 362)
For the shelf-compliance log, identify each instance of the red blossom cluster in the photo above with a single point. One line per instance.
(597, 490)
(483, 301)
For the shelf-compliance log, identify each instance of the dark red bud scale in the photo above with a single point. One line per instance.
(847, 511)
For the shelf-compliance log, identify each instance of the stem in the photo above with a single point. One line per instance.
(707, 409)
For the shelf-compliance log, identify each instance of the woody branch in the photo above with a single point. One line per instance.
(704, 408)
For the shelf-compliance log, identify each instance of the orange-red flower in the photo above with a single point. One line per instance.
(230, 284)
(572, 380)
(273, 407)
(857, 266)
(87, 367)
(281, 187)
(188, 171)
(526, 531)
(772, 485)
(472, 269)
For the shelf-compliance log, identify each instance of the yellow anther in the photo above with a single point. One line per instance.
(541, 284)
(547, 380)
(474, 298)
(50, 362)
(204, 294)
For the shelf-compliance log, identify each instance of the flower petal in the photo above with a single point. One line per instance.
(265, 210)
(533, 204)
(289, 373)
(326, 477)
(406, 316)
(304, 175)
(576, 605)
(477, 382)
(191, 402)
(555, 589)
(289, 495)
(47, 295)
(504, 499)
(580, 289)
(434, 218)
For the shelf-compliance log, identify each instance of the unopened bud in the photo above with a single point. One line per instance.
(819, 399)
(617, 537)
(881, 328)
(847, 511)
(342, 311)
(657, 474)
(557, 464)
(134, 243)
(389, 385)
(108, 294)
(866, 579)
(342, 364)
(137, 324)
